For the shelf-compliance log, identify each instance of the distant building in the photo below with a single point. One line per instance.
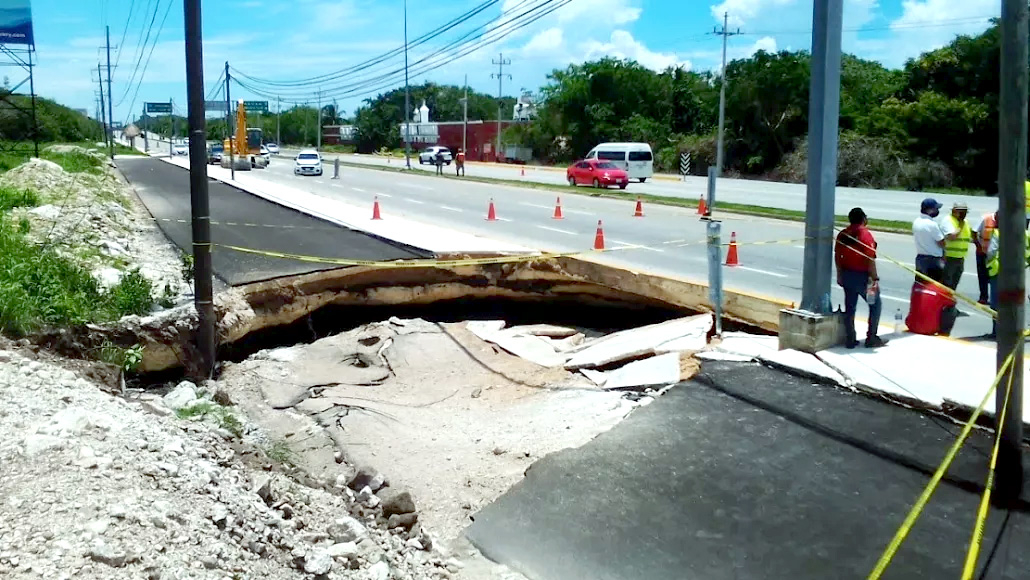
(524, 108)
(339, 135)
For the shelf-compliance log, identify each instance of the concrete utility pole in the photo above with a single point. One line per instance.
(103, 112)
(823, 113)
(278, 112)
(465, 118)
(720, 147)
(171, 129)
(110, 109)
(1012, 159)
(199, 202)
(500, 62)
(407, 95)
(318, 123)
(229, 125)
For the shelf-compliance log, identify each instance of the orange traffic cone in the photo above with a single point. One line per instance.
(731, 256)
(702, 207)
(639, 212)
(375, 209)
(557, 210)
(491, 213)
(599, 237)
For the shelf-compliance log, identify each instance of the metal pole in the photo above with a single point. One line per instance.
(465, 118)
(722, 96)
(32, 92)
(823, 112)
(229, 124)
(146, 130)
(103, 108)
(1012, 159)
(171, 129)
(110, 109)
(199, 205)
(278, 112)
(712, 174)
(715, 272)
(407, 95)
(318, 125)
(336, 168)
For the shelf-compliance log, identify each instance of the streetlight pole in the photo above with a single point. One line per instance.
(722, 93)
(407, 95)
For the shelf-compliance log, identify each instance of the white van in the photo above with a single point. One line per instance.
(634, 158)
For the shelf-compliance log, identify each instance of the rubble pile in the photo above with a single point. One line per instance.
(97, 221)
(98, 487)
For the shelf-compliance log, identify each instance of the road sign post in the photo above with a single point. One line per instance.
(712, 172)
(336, 168)
(685, 164)
(256, 106)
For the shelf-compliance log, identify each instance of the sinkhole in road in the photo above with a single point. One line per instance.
(581, 312)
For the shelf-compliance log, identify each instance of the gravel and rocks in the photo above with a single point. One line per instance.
(96, 487)
(97, 220)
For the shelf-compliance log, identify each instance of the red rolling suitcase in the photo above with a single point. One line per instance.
(931, 309)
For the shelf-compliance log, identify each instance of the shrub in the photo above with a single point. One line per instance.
(11, 198)
(134, 294)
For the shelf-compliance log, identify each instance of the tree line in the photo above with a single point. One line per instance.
(933, 123)
(54, 121)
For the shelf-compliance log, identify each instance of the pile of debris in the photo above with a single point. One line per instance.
(97, 221)
(98, 487)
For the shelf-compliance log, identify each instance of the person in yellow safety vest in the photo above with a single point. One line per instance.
(982, 239)
(993, 267)
(957, 236)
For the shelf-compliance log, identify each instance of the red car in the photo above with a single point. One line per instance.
(596, 172)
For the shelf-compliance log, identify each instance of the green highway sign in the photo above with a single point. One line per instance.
(256, 106)
(160, 108)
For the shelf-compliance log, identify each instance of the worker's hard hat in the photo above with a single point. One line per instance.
(960, 205)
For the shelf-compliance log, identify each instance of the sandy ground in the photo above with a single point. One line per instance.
(454, 420)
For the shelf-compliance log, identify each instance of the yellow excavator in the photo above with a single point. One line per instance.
(244, 154)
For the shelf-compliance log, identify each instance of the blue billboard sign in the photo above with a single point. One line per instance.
(16, 22)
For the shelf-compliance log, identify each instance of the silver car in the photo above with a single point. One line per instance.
(428, 155)
(308, 162)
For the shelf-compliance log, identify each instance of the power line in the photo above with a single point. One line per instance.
(480, 36)
(147, 64)
(125, 30)
(143, 49)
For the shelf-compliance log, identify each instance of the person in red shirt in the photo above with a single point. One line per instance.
(855, 257)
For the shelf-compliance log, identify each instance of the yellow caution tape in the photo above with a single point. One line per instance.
(924, 498)
(973, 555)
(397, 264)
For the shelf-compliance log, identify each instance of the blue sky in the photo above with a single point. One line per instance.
(294, 39)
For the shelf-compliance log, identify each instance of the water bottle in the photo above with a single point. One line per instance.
(872, 291)
(897, 322)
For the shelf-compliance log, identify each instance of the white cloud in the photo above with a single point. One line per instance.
(623, 45)
(545, 41)
(745, 12)
(766, 43)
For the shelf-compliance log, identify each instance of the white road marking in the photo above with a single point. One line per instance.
(449, 208)
(384, 195)
(418, 186)
(894, 298)
(635, 246)
(358, 190)
(500, 219)
(759, 271)
(537, 205)
(798, 247)
(409, 200)
(560, 231)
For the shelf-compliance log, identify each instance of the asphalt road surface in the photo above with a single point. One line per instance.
(668, 240)
(748, 473)
(165, 190)
(881, 204)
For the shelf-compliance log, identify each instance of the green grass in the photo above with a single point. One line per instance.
(76, 162)
(222, 416)
(280, 452)
(40, 289)
(345, 149)
(735, 208)
(11, 198)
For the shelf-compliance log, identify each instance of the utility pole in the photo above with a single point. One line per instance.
(1012, 159)
(465, 118)
(500, 62)
(318, 124)
(103, 114)
(720, 147)
(171, 128)
(407, 95)
(199, 202)
(823, 114)
(110, 109)
(229, 124)
(278, 112)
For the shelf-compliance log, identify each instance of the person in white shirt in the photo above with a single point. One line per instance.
(929, 241)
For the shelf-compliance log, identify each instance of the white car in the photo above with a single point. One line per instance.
(266, 154)
(273, 148)
(308, 162)
(428, 155)
(180, 149)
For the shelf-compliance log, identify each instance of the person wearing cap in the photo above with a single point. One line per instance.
(957, 236)
(929, 241)
(855, 257)
(982, 240)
